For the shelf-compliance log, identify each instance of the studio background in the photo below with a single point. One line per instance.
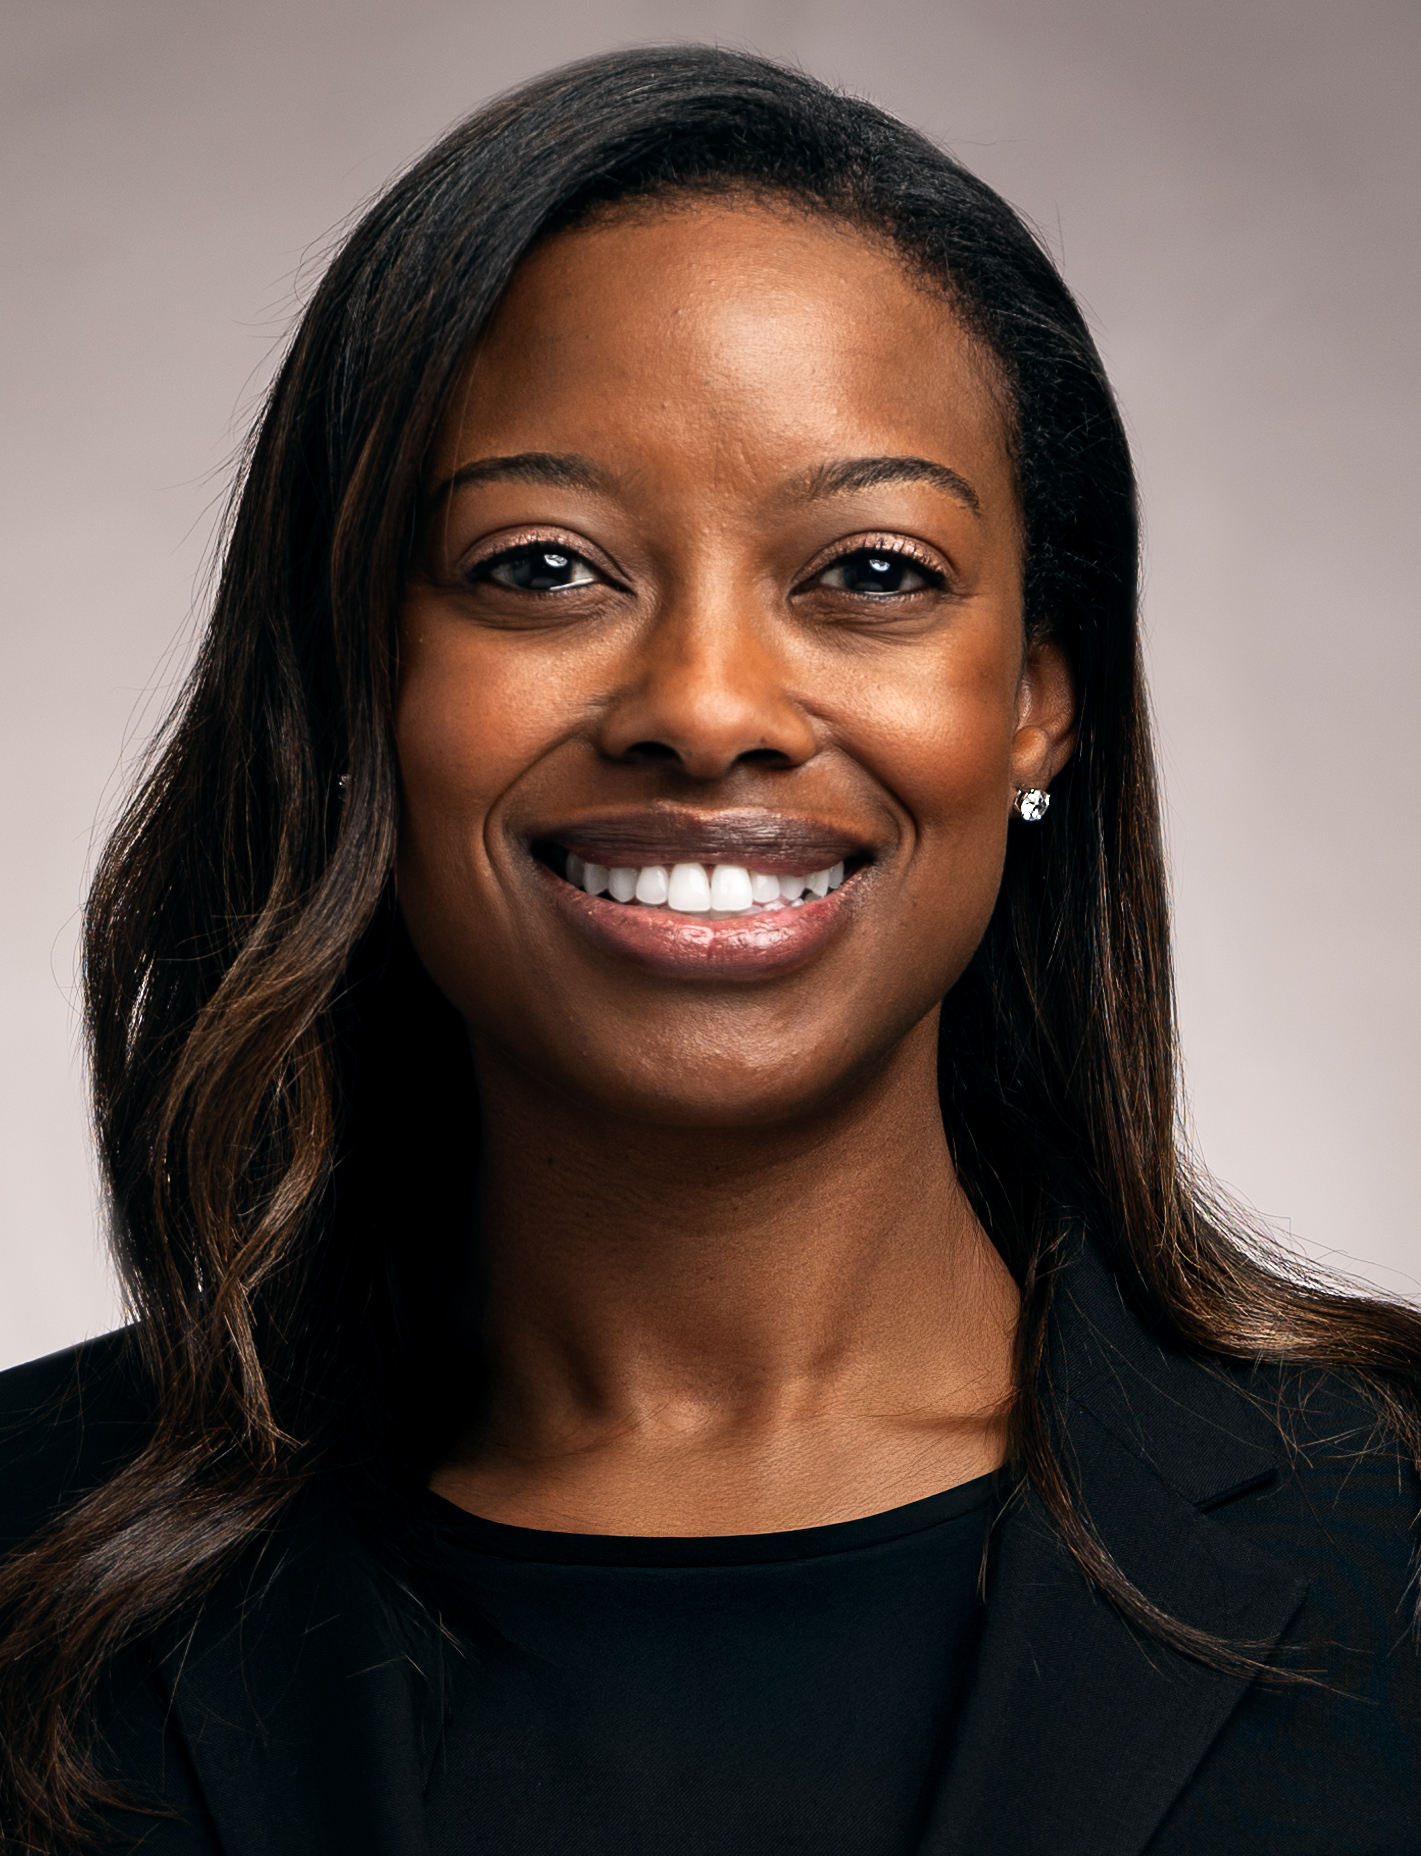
(1231, 187)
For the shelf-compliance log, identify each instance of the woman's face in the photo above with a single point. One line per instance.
(719, 591)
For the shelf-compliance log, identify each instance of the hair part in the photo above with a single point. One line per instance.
(262, 1040)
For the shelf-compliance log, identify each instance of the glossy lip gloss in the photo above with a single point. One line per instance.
(742, 948)
(679, 943)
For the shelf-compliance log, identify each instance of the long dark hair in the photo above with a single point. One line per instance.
(283, 1103)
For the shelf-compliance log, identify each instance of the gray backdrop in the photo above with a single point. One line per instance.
(1232, 188)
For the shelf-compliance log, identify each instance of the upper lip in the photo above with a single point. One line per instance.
(783, 843)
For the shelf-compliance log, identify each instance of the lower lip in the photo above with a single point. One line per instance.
(744, 947)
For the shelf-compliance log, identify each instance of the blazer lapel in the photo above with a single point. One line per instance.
(307, 1703)
(1080, 1731)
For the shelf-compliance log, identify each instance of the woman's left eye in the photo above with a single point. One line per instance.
(877, 570)
(538, 567)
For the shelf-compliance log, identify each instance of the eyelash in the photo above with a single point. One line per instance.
(480, 569)
(893, 547)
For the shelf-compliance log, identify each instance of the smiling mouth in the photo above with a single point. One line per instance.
(706, 891)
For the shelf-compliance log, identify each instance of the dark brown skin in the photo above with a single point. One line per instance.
(727, 1278)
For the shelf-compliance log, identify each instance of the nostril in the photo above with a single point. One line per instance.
(764, 757)
(654, 751)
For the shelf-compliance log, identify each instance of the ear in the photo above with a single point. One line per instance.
(1045, 725)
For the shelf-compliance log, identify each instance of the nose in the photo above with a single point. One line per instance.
(708, 691)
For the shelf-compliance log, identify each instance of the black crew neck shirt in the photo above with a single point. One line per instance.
(744, 1695)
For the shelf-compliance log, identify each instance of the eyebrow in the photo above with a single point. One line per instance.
(564, 470)
(845, 475)
(841, 477)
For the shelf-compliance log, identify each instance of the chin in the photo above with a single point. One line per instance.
(693, 1092)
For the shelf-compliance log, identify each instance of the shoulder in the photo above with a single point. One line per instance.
(1344, 1503)
(1297, 1457)
(1332, 1762)
(67, 1422)
(1324, 1421)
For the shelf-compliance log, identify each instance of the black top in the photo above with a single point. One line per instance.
(742, 1695)
(300, 1710)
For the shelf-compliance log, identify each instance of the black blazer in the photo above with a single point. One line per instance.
(299, 1712)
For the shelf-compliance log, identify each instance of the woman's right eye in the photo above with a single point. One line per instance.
(537, 567)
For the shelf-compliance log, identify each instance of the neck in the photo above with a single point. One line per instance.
(658, 1301)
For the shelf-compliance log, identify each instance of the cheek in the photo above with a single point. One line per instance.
(465, 728)
(462, 738)
(959, 775)
(942, 746)
(939, 738)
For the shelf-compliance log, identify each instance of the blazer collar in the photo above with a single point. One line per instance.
(1079, 1732)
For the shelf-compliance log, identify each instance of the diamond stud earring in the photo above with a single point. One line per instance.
(1031, 804)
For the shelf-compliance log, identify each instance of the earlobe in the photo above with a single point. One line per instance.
(1045, 736)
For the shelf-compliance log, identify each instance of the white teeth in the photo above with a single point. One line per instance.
(651, 884)
(763, 888)
(730, 887)
(688, 892)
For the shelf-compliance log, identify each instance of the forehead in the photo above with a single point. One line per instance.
(730, 326)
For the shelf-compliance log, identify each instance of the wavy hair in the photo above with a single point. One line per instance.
(283, 1101)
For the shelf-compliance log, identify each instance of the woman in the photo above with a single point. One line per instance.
(668, 1311)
